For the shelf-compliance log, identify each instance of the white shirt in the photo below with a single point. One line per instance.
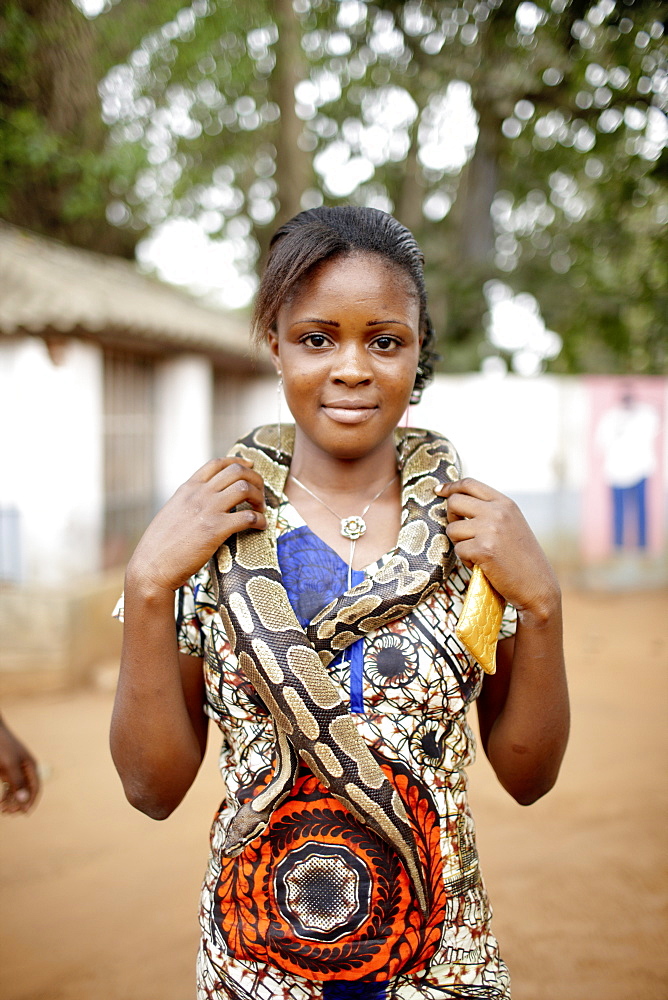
(626, 434)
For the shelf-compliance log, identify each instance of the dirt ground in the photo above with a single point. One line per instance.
(99, 903)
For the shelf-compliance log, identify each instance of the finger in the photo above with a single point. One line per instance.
(216, 465)
(235, 470)
(21, 786)
(6, 799)
(22, 797)
(32, 783)
(460, 530)
(236, 473)
(470, 487)
(10, 771)
(242, 491)
(10, 804)
(463, 505)
(466, 551)
(242, 520)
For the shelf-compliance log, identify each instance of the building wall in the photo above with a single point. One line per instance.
(183, 421)
(51, 481)
(51, 457)
(514, 435)
(59, 578)
(536, 440)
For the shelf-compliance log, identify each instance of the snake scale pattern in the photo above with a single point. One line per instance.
(287, 665)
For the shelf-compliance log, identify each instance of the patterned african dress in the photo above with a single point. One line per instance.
(318, 906)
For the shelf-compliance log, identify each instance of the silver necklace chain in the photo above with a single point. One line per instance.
(351, 528)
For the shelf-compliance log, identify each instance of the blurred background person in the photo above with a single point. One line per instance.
(627, 434)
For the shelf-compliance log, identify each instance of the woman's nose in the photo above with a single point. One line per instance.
(352, 365)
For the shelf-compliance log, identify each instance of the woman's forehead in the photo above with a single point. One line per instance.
(354, 272)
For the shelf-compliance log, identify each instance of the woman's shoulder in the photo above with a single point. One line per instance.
(427, 447)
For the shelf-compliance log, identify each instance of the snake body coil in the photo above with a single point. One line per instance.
(287, 664)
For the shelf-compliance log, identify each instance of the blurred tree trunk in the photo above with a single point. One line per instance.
(53, 131)
(293, 165)
(477, 188)
(408, 208)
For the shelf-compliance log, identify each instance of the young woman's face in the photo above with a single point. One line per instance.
(347, 345)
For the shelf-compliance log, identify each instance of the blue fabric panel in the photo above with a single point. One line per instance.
(313, 575)
(360, 990)
(356, 655)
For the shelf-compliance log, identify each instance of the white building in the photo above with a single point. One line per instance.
(113, 389)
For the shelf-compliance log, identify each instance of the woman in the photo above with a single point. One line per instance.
(343, 860)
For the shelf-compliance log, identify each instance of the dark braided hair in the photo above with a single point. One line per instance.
(321, 234)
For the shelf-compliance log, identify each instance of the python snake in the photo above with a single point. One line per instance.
(287, 665)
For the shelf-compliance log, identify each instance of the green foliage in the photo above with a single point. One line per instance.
(597, 267)
(55, 166)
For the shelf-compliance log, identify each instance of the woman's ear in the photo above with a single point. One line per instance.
(272, 341)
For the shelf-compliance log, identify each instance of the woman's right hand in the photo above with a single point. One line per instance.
(18, 773)
(192, 525)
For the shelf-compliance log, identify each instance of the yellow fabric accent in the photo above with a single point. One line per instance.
(480, 620)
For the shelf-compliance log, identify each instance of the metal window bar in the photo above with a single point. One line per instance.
(129, 480)
(229, 419)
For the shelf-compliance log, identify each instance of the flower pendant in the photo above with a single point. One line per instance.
(353, 527)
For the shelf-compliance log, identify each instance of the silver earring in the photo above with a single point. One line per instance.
(280, 426)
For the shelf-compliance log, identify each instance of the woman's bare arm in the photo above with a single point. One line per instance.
(523, 708)
(158, 730)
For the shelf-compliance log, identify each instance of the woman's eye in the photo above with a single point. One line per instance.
(385, 343)
(316, 340)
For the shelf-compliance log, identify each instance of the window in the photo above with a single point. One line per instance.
(129, 480)
(230, 411)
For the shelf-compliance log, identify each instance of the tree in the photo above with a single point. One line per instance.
(57, 168)
(521, 142)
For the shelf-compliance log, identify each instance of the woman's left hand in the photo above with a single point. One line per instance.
(488, 529)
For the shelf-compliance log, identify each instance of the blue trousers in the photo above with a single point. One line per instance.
(629, 510)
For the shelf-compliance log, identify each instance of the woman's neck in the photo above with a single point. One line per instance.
(338, 488)
(331, 476)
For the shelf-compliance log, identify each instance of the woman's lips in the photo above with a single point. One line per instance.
(347, 414)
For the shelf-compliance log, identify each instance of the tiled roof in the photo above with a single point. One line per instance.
(47, 287)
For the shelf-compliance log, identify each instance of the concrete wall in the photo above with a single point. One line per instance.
(531, 438)
(54, 638)
(51, 481)
(516, 435)
(51, 457)
(55, 601)
(184, 420)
